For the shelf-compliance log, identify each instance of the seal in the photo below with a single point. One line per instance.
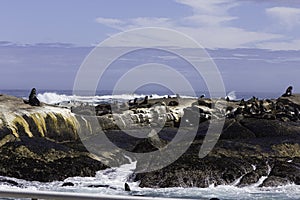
(33, 100)
(288, 92)
(145, 101)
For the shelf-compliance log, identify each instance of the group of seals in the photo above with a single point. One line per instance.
(33, 100)
(136, 102)
(267, 109)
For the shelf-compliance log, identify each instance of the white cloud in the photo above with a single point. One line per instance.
(151, 21)
(287, 45)
(110, 22)
(135, 22)
(209, 13)
(227, 37)
(211, 24)
(288, 17)
(212, 7)
(207, 20)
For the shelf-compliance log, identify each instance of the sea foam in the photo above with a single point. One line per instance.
(113, 180)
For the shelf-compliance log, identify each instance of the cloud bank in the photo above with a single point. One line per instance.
(216, 24)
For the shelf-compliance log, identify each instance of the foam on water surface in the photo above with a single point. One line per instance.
(54, 98)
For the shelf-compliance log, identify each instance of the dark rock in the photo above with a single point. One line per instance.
(249, 179)
(9, 182)
(269, 128)
(274, 181)
(235, 130)
(103, 109)
(173, 103)
(191, 171)
(205, 102)
(127, 188)
(283, 173)
(102, 186)
(98, 186)
(67, 184)
(45, 161)
(144, 146)
(231, 159)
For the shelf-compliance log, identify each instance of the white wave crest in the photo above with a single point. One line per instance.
(231, 95)
(54, 98)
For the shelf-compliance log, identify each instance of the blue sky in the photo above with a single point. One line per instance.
(48, 40)
(271, 24)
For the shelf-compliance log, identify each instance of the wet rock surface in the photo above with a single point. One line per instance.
(41, 143)
(38, 159)
(253, 150)
(257, 161)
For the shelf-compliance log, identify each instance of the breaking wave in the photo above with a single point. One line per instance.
(111, 182)
(54, 98)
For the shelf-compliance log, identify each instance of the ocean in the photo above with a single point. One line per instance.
(56, 96)
(114, 178)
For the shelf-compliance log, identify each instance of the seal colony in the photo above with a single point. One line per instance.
(36, 142)
(172, 109)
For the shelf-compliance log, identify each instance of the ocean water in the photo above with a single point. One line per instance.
(113, 179)
(57, 96)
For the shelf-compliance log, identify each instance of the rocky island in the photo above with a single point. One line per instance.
(259, 144)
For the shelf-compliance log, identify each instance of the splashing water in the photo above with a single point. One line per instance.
(111, 182)
(231, 95)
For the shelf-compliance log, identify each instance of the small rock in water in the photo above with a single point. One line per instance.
(98, 186)
(67, 184)
(9, 182)
(127, 188)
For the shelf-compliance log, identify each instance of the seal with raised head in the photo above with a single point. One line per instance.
(33, 100)
(145, 101)
(288, 92)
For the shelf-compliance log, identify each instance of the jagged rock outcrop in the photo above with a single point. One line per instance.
(21, 119)
(252, 150)
(259, 144)
(42, 143)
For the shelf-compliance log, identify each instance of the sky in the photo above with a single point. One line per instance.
(43, 43)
